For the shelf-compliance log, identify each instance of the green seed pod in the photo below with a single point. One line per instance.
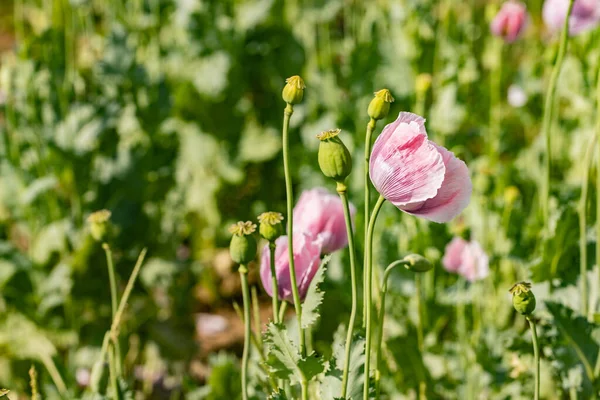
(418, 263)
(99, 377)
(334, 158)
(99, 223)
(379, 107)
(523, 298)
(270, 225)
(242, 247)
(293, 91)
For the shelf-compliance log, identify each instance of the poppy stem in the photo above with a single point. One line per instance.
(274, 286)
(418, 296)
(368, 299)
(583, 227)
(247, 330)
(352, 251)
(384, 284)
(367, 182)
(287, 113)
(114, 301)
(598, 175)
(536, 355)
(548, 111)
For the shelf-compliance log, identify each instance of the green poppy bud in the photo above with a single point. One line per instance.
(334, 158)
(242, 247)
(293, 91)
(379, 107)
(99, 377)
(99, 222)
(418, 263)
(523, 298)
(270, 225)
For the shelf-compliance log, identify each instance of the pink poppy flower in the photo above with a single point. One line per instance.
(584, 16)
(466, 259)
(307, 258)
(510, 21)
(321, 214)
(415, 174)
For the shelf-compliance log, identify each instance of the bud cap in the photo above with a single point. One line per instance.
(379, 107)
(270, 225)
(418, 263)
(242, 247)
(334, 158)
(523, 298)
(293, 91)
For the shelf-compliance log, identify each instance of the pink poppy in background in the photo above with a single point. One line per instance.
(415, 174)
(307, 258)
(511, 21)
(584, 16)
(321, 214)
(466, 259)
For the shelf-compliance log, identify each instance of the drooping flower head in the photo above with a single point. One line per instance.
(466, 259)
(511, 21)
(321, 214)
(584, 16)
(415, 174)
(307, 258)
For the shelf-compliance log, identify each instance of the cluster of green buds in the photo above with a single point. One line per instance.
(523, 299)
(417, 263)
(379, 107)
(270, 226)
(242, 247)
(99, 223)
(334, 157)
(293, 91)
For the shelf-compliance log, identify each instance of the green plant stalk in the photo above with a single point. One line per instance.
(368, 298)
(114, 300)
(112, 366)
(287, 113)
(536, 356)
(583, 227)
(495, 89)
(55, 375)
(247, 329)
(384, 284)
(256, 315)
(274, 285)
(598, 174)
(548, 111)
(282, 310)
(367, 182)
(352, 251)
(418, 296)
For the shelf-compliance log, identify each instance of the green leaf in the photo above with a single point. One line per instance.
(314, 296)
(284, 358)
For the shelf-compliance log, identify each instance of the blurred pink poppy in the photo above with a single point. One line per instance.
(321, 214)
(307, 258)
(415, 174)
(511, 21)
(584, 16)
(466, 259)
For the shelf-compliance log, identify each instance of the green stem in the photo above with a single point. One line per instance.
(274, 285)
(583, 227)
(419, 297)
(282, 310)
(55, 375)
(536, 355)
(495, 88)
(386, 275)
(598, 175)
(368, 298)
(114, 301)
(247, 330)
(548, 110)
(352, 251)
(367, 182)
(112, 365)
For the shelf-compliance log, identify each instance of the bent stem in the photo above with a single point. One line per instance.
(247, 331)
(274, 285)
(114, 301)
(287, 113)
(386, 274)
(548, 111)
(351, 249)
(536, 355)
(367, 182)
(368, 298)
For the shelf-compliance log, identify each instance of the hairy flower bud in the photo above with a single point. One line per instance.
(379, 107)
(270, 225)
(523, 298)
(417, 263)
(334, 158)
(99, 222)
(242, 247)
(293, 91)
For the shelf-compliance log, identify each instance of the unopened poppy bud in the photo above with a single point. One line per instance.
(99, 377)
(417, 263)
(99, 222)
(523, 298)
(242, 247)
(334, 158)
(293, 91)
(422, 83)
(270, 225)
(379, 107)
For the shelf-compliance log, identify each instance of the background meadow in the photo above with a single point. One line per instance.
(168, 113)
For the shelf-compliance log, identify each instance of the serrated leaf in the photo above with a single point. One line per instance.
(284, 358)
(314, 296)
